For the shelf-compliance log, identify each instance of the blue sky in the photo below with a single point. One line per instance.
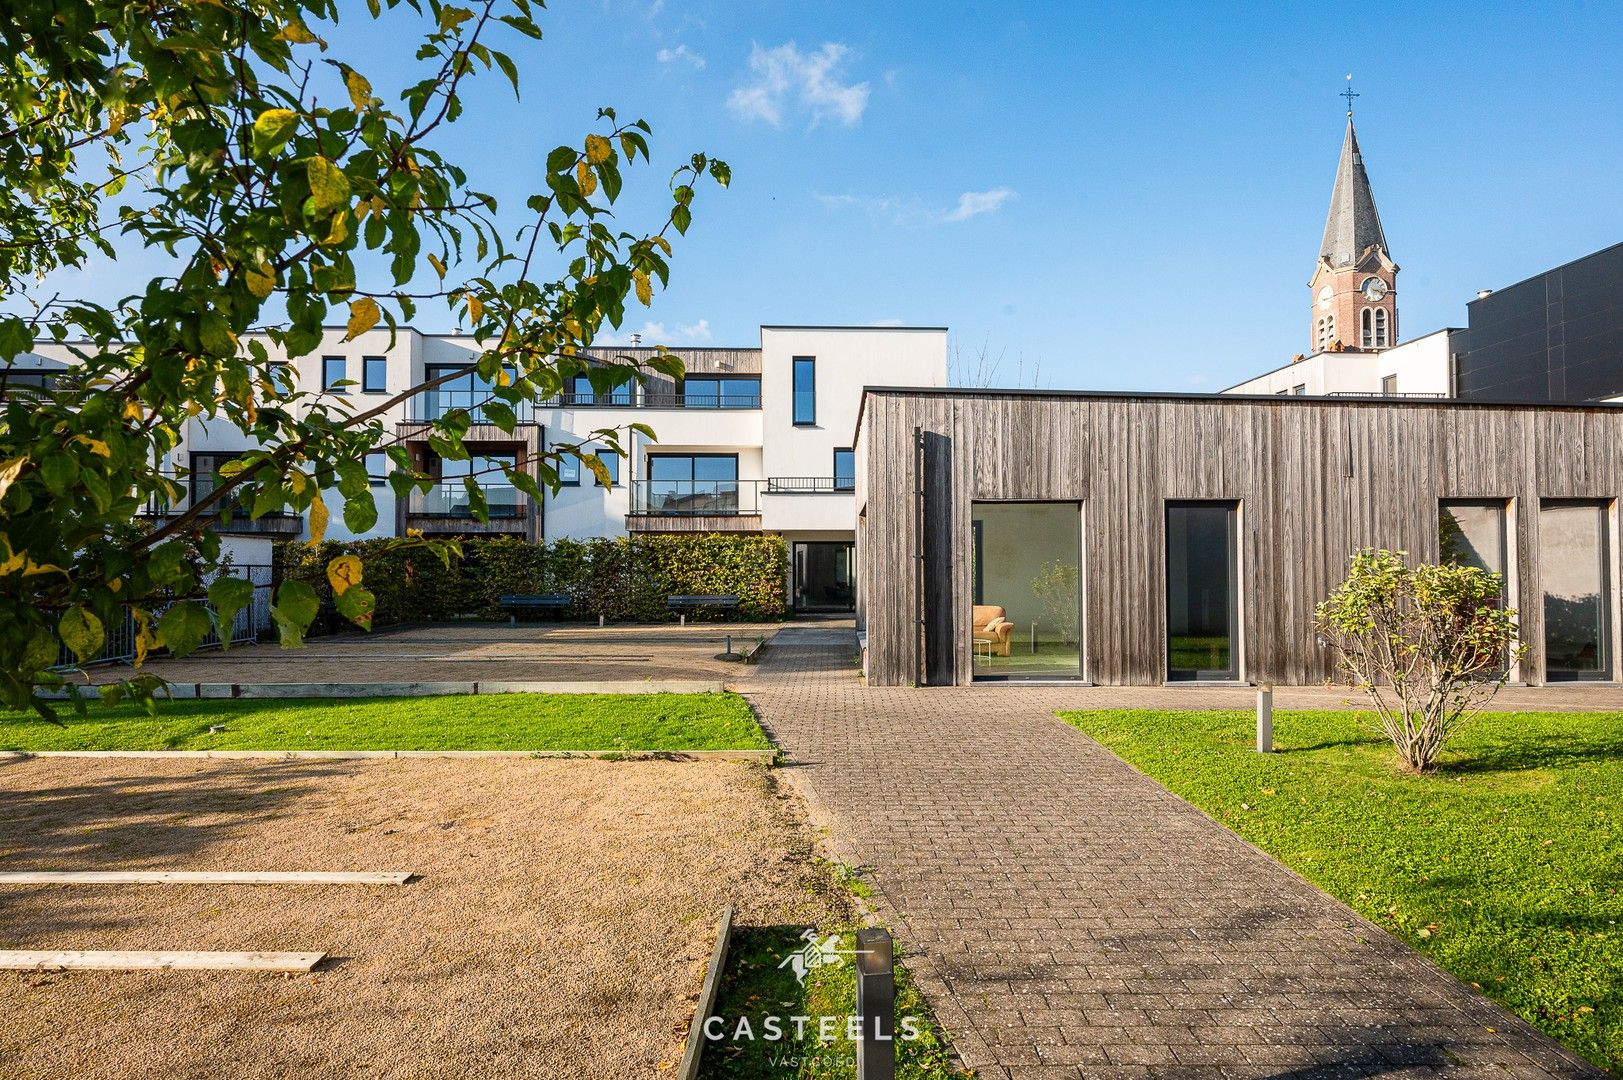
(1116, 196)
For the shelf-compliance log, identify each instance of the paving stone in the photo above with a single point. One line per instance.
(1056, 904)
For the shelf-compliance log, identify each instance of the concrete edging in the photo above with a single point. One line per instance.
(760, 757)
(709, 991)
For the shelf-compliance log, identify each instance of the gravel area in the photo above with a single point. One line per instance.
(560, 927)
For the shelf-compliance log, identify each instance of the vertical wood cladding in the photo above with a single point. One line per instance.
(1315, 480)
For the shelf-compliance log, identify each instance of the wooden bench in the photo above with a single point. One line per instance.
(533, 602)
(686, 605)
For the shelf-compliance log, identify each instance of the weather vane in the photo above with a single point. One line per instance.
(1349, 94)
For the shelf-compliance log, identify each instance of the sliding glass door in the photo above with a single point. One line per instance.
(1026, 621)
(1573, 556)
(1202, 592)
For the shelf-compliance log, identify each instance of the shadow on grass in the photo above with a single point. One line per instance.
(1539, 752)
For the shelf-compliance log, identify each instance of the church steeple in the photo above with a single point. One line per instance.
(1354, 285)
(1353, 225)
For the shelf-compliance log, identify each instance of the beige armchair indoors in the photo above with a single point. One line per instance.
(990, 623)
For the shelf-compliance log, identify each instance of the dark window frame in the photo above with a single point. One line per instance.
(1236, 614)
(851, 484)
(809, 364)
(327, 381)
(572, 477)
(611, 461)
(367, 363)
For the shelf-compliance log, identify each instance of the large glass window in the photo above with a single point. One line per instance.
(721, 392)
(1202, 598)
(845, 470)
(448, 497)
(824, 575)
(1577, 603)
(467, 389)
(1026, 621)
(805, 390)
(579, 389)
(1472, 533)
(693, 483)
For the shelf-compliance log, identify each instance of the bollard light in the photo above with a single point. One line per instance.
(876, 1005)
(1265, 720)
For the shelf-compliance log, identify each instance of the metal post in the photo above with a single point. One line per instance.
(1265, 720)
(876, 1006)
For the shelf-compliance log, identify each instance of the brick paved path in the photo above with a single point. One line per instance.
(1067, 916)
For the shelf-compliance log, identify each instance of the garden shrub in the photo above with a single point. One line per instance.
(628, 578)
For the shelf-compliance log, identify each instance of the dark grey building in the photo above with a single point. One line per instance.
(1554, 337)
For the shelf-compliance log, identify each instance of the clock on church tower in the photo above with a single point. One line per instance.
(1355, 282)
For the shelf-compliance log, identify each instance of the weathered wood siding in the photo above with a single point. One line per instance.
(1315, 479)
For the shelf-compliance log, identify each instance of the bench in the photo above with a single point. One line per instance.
(686, 605)
(533, 602)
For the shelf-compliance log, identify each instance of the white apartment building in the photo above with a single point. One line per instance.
(1423, 367)
(749, 440)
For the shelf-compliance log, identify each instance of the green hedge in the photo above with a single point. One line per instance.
(624, 579)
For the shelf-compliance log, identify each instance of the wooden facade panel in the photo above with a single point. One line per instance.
(1315, 479)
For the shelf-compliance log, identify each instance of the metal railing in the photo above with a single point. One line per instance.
(247, 626)
(623, 399)
(1381, 394)
(435, 404)
(450, 499)
(280, 522)
(695, 497)
(810, 485)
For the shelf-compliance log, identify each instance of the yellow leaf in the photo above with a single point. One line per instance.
(645, 288)
(598, 149)
(16, 561)
(144, 637)
(584, 177)
(360, 91)
(340, 228)
(363, 315)
(476, 308)
(329, 187)
(343, 572)
(297, 33)
(261, 280)
(10, 469)
(97, 447)
(318, 519)
(42, 568)
(439, 267)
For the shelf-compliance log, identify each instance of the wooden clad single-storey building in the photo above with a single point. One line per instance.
(1148, 538)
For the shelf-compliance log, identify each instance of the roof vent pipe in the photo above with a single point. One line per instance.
(1483, 294)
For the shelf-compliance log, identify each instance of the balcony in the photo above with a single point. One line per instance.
(694, 506)
(431, 405)
(278, 524)
(447, 508)
(1381, 394)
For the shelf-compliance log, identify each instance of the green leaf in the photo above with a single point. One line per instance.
(329, 187)
(360, 511)
(41, 651)
(228, 595)
(82, 632)
(357, 605)
(184, 626)
(294, 610)
(272, 131)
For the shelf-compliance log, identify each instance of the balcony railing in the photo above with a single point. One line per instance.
(711, 498)
(623, 400)
(450, 499)
(435, 404)
(810, 485)
(1381, 394)
(282, 522)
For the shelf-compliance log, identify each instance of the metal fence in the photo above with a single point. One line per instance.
(249, 623)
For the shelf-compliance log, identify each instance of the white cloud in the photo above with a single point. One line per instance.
(971, 203)
(914, 211)
(657, 333)
(787, 78)
(681, 54)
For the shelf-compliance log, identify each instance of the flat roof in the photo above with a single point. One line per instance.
(1289, 400)
(1543, 273)
(847, 326)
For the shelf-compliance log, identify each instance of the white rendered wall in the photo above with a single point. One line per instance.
(1422, 367)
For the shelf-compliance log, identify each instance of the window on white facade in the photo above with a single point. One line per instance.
(332, 373)
(611, 462)
(1299, 390)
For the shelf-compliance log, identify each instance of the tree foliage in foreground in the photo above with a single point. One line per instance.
(288, 191)
(1430, 645)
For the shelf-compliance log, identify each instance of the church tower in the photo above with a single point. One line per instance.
(1355, 284)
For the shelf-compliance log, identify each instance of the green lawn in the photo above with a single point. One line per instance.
(478, 722)
(1506, 867)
